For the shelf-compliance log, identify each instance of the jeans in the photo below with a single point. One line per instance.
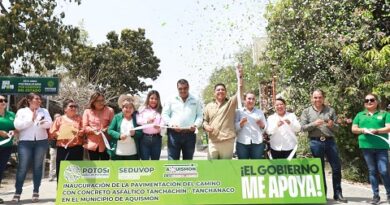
(328, 148)
(251, 151)
(377, 160)
(283, 154)
(5, 153)
(70, 154)
(30, 152)
(150, 147)
(181, 142)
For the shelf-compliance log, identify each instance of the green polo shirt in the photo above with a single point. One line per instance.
(378, 120)
(7, 124)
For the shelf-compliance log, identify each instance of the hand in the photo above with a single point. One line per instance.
(330, 123)
(132, 132)
(193, 128)
(239, 72)
(3, 134)
(122, 137)
(96, 132)
(243, 121)
(80, 132)
(366, 131)
(374, 131)
(319, 122)
(156, 127)
(208, 128)
(150, 120)
(260, 123)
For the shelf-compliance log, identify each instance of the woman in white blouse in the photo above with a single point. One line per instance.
(282, 127)
(31, 121)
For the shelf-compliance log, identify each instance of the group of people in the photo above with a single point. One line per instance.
(136, 134)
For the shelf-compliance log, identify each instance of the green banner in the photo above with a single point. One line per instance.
(24, 85)
(191, 182)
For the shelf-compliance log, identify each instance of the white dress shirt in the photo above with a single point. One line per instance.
(250, 133)
(30, 130)
(283, 138)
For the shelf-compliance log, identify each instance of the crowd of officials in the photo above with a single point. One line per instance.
(106, 135)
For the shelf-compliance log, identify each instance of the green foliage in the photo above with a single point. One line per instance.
(32, 38)
(252, 76)
(119, 65)
(339, 46)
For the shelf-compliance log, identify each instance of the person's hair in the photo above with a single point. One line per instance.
(281, 100)
(66, 103)
(93, 99)
(249, 92)
(320, 91)
(125, 98)
(373, 95)
(219, 84)
(159, 106)
(24, 102)
(182, 82)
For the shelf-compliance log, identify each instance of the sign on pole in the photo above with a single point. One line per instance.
(24, 85)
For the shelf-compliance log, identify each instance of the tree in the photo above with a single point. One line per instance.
(340, 46)
(119, 65)
(32, 38)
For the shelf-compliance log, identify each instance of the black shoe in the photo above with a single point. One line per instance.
(388, 199)
(339, 197)
(375, 200)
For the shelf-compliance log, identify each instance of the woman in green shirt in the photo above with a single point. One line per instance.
(6, 130)
(371, 125)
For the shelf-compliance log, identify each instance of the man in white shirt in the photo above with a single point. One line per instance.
(183, 114)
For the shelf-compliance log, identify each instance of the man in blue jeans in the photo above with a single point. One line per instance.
(319, 121)
(183, 114)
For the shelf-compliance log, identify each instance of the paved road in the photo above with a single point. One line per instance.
(355, 193)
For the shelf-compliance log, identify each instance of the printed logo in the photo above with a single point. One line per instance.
(181, 171)
(72, 173)
(134, 173)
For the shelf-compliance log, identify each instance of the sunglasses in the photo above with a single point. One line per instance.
(369, 100)
(73, 106)
(3, 101)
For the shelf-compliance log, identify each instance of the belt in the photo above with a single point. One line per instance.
(183, 131)
(321, 138)
(153, 135)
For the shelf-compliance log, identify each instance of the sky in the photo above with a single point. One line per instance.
(190, 37)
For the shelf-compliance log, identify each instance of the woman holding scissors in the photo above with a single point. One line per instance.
(150, 143)
(372, 126)
(95, 124)
(68, 131)
(125, 140)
